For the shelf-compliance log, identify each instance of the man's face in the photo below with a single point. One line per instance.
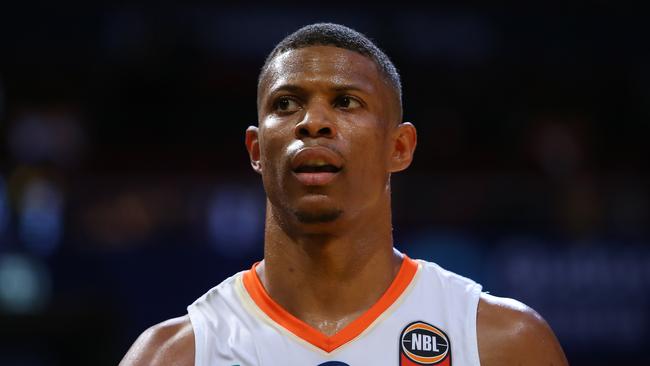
(326, 135)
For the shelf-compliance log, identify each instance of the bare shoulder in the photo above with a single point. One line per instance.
(168, 343)
(511, 333)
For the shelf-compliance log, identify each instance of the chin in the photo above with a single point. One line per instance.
(318, 217)
(316, 209)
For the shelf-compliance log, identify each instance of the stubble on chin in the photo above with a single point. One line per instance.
(318, 217)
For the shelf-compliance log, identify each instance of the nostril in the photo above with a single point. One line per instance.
(313, 131)
(303, 132)
(325, 131)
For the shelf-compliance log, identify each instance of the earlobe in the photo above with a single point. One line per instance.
(253, 147)
(404, 142)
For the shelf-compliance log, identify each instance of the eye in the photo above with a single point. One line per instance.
(286, 105)
(347, 102)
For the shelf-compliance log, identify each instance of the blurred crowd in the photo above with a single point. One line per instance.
(126, 192)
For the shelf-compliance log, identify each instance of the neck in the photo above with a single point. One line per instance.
(329, 279)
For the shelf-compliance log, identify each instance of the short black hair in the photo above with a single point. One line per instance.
(330, 34)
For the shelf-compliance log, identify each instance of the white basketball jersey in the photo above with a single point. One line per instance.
(426, 317)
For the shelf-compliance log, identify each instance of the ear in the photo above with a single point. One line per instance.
(253, 147)
(403, 140)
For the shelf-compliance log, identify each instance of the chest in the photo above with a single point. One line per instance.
(419, 330)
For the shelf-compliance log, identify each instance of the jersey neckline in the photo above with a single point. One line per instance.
(306, 332)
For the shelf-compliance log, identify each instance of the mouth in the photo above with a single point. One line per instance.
(316, 166)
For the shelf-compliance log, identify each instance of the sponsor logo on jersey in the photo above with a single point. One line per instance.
(423, 344)
(333, 363)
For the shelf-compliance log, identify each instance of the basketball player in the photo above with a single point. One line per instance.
(332, 289)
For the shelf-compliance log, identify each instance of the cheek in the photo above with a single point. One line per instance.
(371, 158)
(375, 146)
(272, 146)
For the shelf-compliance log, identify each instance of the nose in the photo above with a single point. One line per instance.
(317, 123)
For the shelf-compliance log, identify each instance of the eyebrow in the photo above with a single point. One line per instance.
(348, 87)
(287, 87)
(292, 88)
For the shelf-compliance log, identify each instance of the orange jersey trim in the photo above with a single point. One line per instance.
(278, 314)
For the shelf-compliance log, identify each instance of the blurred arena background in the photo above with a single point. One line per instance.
(126, 192)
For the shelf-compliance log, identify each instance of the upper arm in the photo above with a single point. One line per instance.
(511, 333)
(168, 343)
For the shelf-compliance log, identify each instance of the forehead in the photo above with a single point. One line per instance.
(322, 64)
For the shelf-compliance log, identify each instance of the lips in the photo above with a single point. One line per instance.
(316, 166)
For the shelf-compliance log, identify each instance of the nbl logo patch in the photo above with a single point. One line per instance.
(423, 344)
